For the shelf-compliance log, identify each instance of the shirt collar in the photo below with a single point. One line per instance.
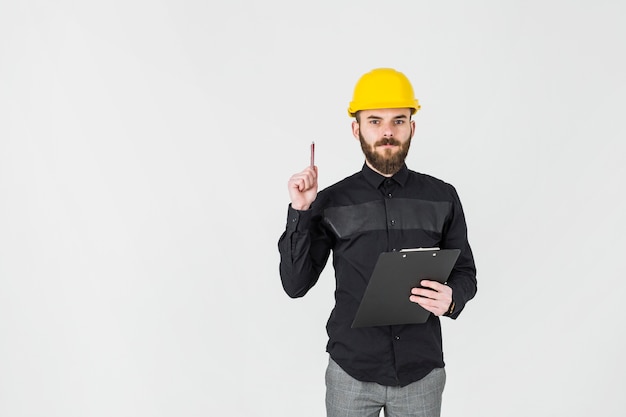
(375, 179)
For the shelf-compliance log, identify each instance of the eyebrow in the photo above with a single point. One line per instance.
(374, 117)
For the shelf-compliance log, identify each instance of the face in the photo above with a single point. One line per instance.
(385, 136)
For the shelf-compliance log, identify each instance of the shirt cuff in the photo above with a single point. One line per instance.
(298, 220)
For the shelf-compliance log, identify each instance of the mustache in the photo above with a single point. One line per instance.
(387, 141)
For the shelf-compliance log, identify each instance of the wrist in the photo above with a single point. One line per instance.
(450, 308)
(300, 207)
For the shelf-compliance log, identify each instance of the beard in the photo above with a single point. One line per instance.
(387, 163)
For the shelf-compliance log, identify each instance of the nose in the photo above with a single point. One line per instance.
(387, 130)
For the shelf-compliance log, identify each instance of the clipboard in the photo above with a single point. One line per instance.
(386, 298)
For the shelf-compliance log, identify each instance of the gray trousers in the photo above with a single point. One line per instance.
(348, 397)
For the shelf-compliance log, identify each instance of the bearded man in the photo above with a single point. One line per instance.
(384, 207)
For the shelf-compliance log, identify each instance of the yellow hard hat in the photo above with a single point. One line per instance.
(383, 88)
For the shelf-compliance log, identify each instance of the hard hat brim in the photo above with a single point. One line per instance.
(353, 109)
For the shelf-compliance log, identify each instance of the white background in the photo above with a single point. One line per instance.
(145, 148)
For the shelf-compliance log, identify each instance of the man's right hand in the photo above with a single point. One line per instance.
(303, 188)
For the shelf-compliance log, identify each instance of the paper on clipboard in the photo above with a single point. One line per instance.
(386, 298)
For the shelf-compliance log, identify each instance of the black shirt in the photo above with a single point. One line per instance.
(357, 219)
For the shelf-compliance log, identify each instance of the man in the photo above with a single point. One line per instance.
(384, 207)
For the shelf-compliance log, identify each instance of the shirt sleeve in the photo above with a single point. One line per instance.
(462, 279)
(304, 249)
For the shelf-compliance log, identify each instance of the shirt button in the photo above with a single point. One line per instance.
(397, 337)
(389, 195)
(393, 222)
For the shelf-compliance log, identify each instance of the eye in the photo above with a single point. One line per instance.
(374, 122)
(399, 122)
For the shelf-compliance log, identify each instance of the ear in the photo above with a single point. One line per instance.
(412, 128)
(355, 129)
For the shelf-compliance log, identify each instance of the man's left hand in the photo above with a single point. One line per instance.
(436, 297)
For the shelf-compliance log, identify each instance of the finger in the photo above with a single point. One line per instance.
(309, 181)
(427, 303)
(311, 175)
(301, 182)
(302, 186)
(310, 170)
(431, 284)
(443, 289)
(434, 306)
(423, 292)
(441, 298)
(296, 182)
(423, 301)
